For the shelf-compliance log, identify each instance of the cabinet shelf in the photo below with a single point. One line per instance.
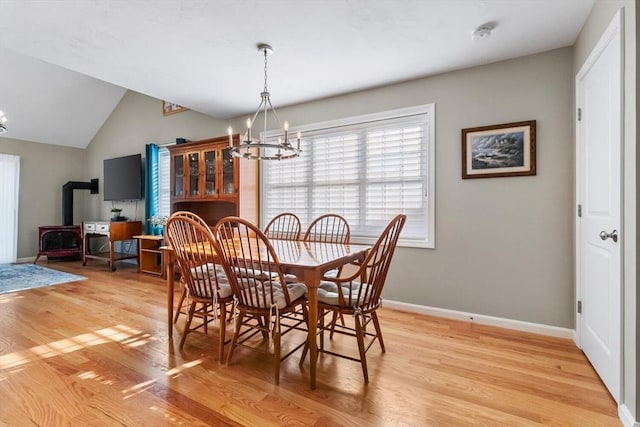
(150, 255)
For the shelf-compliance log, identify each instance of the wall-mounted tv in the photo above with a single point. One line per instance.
(123, 178)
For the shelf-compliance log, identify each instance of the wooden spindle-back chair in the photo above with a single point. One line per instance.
(328, 228)
(262, 296)
(208, 290)
(359, 295)
(285, 226)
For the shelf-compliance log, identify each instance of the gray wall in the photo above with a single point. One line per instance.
(503, 245)
(599, 19)
(136, 121)
(44, 169)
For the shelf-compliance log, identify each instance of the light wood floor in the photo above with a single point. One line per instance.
(95, 352)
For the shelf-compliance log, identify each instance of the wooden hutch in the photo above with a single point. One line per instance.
(208, 181)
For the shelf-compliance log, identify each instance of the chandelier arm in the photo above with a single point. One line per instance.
(273, 110)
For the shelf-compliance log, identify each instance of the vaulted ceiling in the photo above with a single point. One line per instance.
(66, 64)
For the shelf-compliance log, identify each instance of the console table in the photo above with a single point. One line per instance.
(115, 231)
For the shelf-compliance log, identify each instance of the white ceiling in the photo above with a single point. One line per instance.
(65, 64)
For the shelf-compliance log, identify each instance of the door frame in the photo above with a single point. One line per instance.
(614, 27)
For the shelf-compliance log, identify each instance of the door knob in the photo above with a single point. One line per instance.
(613, 235)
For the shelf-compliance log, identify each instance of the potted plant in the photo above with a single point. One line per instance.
(157, 223)
(115, 213)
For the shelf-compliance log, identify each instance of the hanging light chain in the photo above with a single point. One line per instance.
(265, 70)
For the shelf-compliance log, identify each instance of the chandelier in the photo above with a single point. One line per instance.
(3, 121)
(259, 148)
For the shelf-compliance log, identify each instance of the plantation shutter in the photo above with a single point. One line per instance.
(367, 172)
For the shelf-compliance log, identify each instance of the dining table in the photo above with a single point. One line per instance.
(308, 261)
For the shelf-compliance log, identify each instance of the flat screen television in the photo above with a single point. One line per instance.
(123, 178)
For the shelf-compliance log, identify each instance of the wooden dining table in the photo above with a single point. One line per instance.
(308, 261)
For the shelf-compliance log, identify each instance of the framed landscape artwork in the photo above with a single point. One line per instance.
(170, 108)
(507, 149)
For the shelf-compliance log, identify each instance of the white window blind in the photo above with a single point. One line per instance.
(367, 169)
(164, 183)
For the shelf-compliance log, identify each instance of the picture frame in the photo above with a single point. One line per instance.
(171, 108)
(503, 150)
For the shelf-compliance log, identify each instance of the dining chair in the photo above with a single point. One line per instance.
(181, 309)
(263, 299)
(359, 295)
(328, 228)
(284, 226)
(207, 289)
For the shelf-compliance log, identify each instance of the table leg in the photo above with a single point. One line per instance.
(169, 274)
(312, 298)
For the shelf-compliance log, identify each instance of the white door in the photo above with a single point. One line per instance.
(598, 232)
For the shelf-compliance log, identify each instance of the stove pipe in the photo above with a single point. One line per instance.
(67, 197)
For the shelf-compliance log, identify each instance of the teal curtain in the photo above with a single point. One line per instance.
(151, 185)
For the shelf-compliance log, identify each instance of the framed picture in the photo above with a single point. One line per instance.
(169, 108)
(500, 150)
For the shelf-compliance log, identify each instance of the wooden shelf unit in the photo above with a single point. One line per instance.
(149, 254)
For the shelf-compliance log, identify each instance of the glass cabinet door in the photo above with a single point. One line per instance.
(194, 174)
(228, 184)
(178, 179)
(210, 173)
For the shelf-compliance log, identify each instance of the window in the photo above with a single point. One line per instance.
(164, 182)
(366, 168)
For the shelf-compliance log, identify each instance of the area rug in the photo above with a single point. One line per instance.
(17, 277)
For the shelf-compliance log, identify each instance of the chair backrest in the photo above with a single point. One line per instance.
(328, 228)
(251, 264)
(374, 268)
(193, 245)
(285, 226)
(191, 215)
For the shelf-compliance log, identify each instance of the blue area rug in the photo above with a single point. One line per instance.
(17, 277)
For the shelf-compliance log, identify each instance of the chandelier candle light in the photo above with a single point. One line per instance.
(259, 148)
(3, 121)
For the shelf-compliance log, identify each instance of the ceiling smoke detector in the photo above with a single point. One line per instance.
(483, 32)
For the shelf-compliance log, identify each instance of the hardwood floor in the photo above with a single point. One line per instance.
(96, 352)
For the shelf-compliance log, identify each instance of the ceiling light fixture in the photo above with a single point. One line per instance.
(3, 121)
(259, 148)
(483, 32)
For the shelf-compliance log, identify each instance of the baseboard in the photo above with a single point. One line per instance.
(625, 416)
(26, 259)
(535, 328)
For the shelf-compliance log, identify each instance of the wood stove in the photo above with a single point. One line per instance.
(59, 241)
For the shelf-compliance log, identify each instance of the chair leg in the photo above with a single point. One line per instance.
(363, 360)
(222, 320)
(304, 353)
(276, 350)
(187, 326)
(333, 322)
(376, 324)
(235, 335)
(305, 315)
(205, 318)
(183, 294)
(321, 327)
